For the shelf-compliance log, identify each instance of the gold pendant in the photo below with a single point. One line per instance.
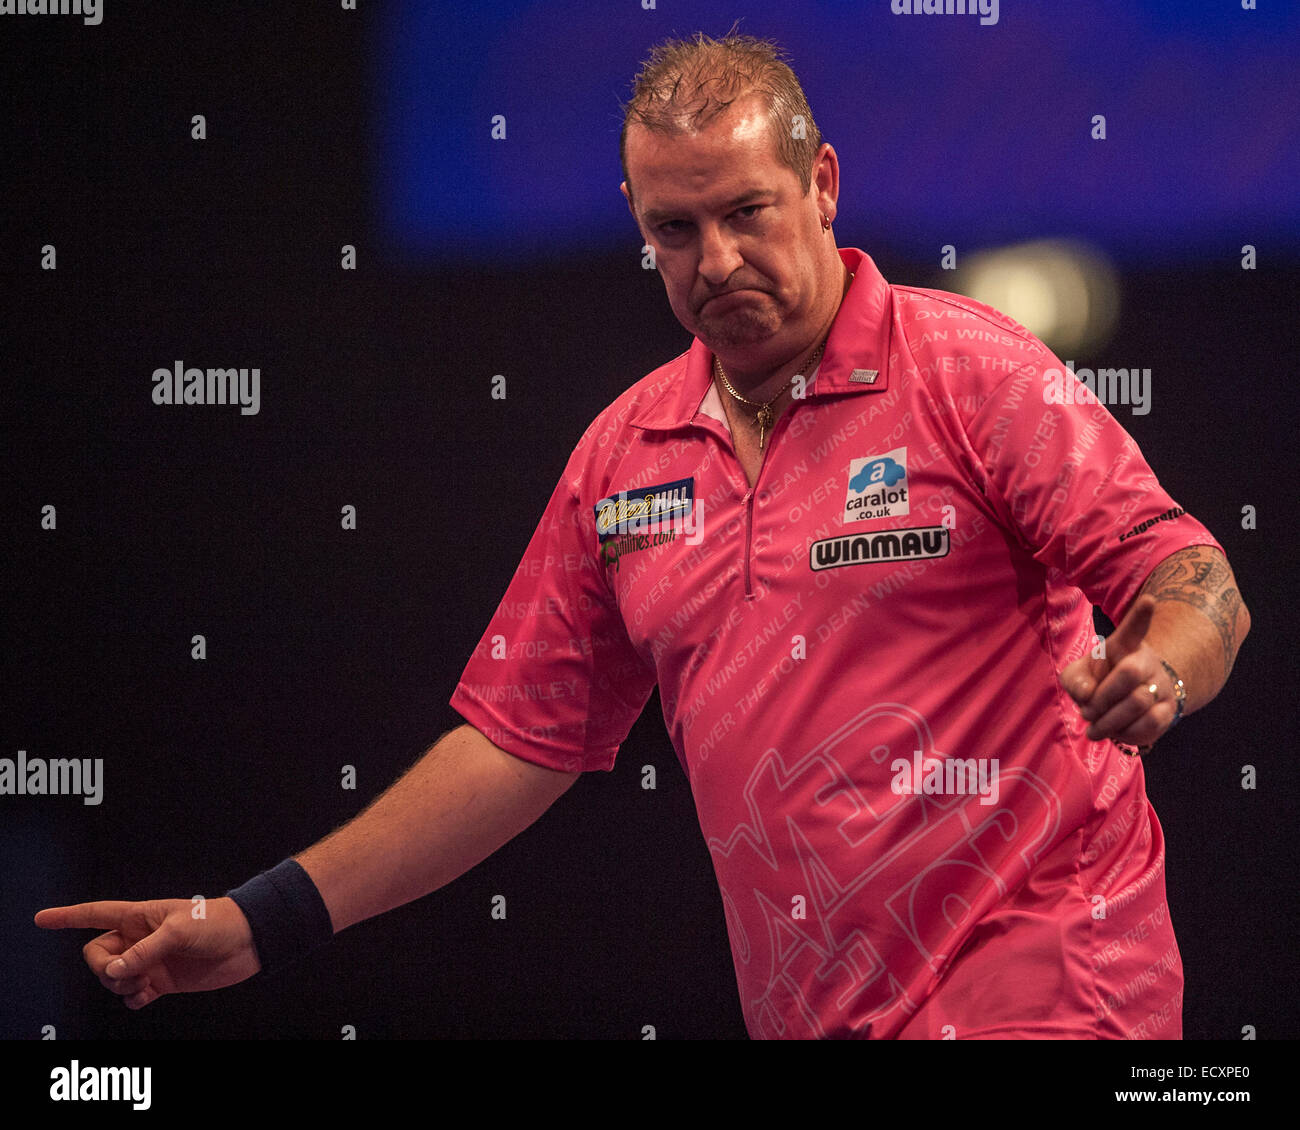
(764, 419)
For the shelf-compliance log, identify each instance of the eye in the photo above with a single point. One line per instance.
(751, 209)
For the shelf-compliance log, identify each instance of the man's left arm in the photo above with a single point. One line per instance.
(1188, 614)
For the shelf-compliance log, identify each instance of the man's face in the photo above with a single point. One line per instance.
(725, 217)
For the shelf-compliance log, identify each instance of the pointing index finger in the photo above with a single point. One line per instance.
(83, 915)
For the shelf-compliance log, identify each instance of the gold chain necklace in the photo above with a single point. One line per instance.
(764, 416)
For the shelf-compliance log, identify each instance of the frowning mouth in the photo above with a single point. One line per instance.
(742, 292)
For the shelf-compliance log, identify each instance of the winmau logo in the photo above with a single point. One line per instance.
(871, 549)
(987, 10)
(89, 10)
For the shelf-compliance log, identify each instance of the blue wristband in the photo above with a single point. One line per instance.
(286, 913)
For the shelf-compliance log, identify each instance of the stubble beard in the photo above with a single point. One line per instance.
(745, 326)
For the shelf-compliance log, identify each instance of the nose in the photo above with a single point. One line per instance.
(719, 256)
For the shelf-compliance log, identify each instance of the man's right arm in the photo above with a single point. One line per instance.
(459, 803)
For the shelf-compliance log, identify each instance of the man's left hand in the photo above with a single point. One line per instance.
(1114, 692)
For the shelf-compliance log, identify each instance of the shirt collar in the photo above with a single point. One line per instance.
(855, 359)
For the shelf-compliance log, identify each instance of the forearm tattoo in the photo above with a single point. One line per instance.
(1201, 577)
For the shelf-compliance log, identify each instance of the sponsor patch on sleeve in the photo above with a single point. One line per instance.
(1142, 527)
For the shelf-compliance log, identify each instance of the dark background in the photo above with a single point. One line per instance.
(329, 647)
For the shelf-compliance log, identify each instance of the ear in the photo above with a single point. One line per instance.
(826, 181)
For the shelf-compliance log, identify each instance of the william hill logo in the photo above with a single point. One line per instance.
(666, 507)
(871, 549)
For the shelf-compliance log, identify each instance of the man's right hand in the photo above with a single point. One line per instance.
(455, 806)
(159, 947)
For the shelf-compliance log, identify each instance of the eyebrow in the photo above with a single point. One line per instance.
(658, 215)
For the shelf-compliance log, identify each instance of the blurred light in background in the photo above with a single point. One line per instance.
(1064, 293)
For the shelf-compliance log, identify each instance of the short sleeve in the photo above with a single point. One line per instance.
(1074, 488)
(555, 679)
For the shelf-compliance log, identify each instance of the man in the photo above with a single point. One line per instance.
(855, 548)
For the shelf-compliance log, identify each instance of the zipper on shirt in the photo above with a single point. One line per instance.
(749, 533)
(748, 501)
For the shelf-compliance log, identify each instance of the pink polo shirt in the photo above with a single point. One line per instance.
(857, 660)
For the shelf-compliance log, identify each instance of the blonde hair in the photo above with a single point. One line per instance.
(685, 83)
